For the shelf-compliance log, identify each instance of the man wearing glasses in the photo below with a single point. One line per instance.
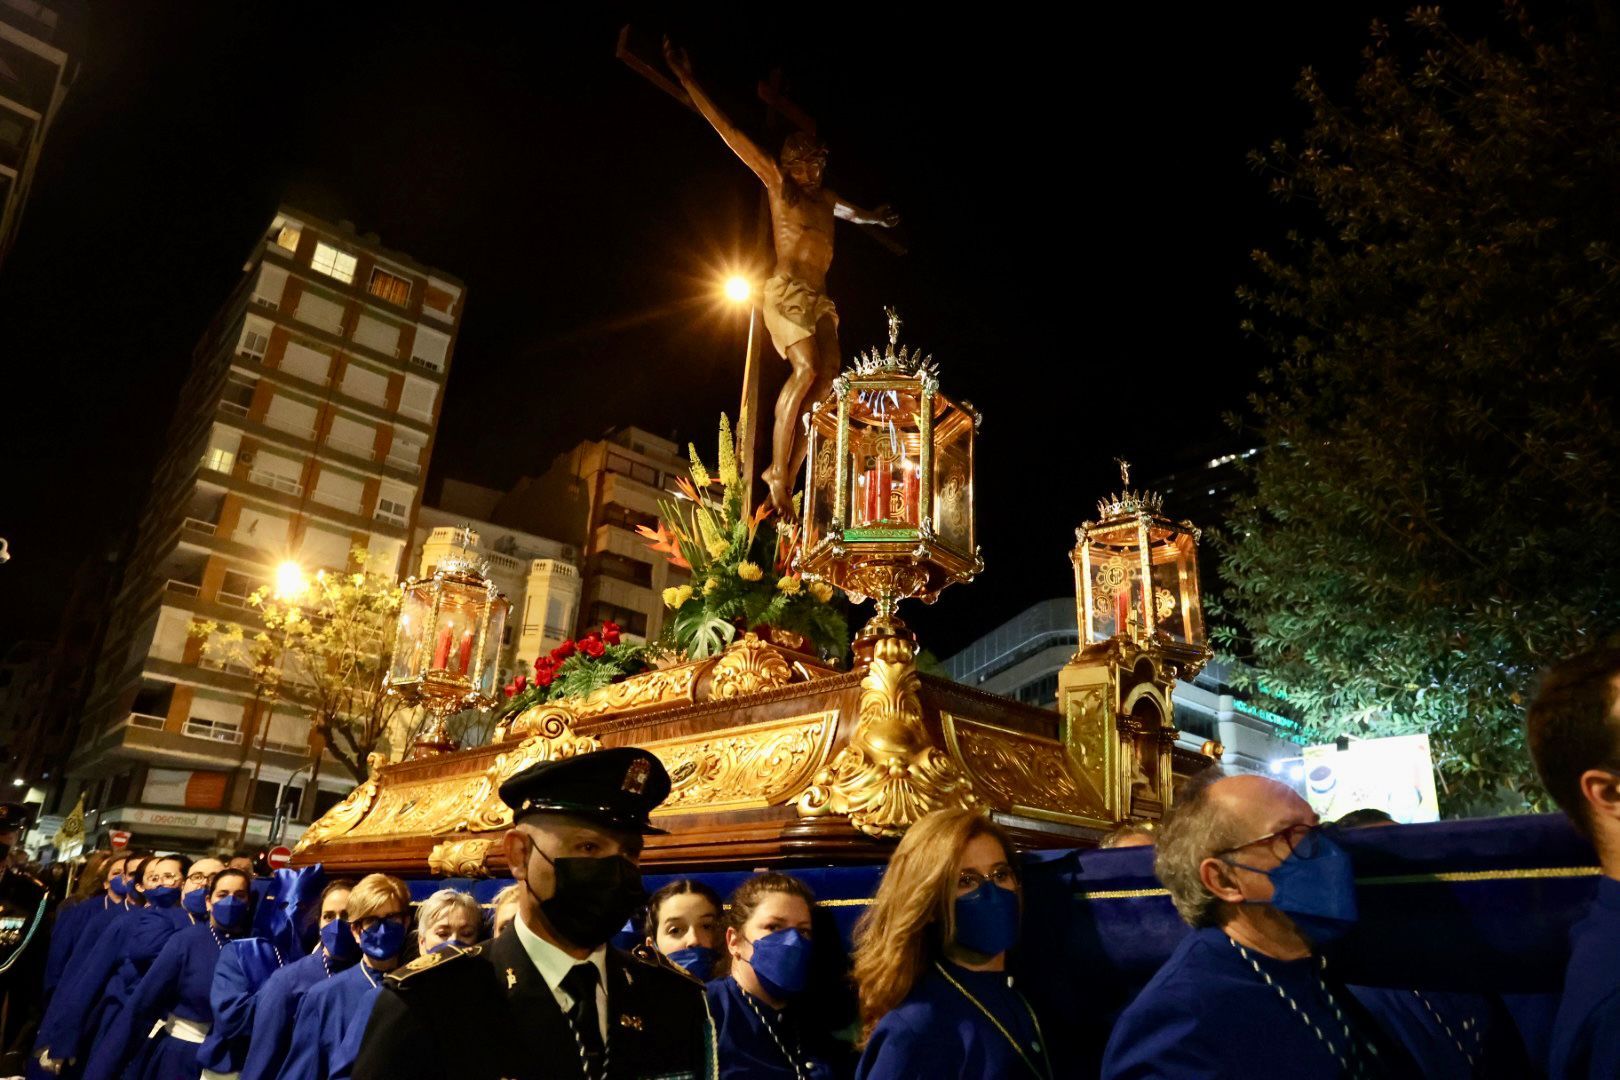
(1248, 993)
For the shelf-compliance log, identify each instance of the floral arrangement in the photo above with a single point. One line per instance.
(576, 668)
(741, 567)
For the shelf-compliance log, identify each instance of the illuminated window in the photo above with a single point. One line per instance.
(333, 263)
(390, 287)
(288, 236)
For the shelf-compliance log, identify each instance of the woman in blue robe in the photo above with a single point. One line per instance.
(172, 1000)
(278, 1000)
(69, 920)
(930, 959)
(761, 1031)
(331, 1018)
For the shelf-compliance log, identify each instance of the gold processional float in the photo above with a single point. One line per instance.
(778, 758)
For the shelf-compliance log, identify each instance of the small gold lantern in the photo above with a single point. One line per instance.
(889, 485)
(447, 648)
(1136, 575)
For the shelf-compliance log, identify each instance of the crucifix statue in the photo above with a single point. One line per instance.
(801, 320)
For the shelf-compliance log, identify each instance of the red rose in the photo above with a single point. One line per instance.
(563, 651)
(610, 633)
(544, 677)
(592, 647)
(520, 681)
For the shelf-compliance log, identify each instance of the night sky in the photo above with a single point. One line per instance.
(1074, 199)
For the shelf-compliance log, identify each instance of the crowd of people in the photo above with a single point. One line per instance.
(166, 968)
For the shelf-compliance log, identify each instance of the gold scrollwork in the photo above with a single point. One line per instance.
(479, 806)
(649, 688)
(759, 765)
(890, 774)
(748, 667)
(1017, 770)
(343, 817)
(460, 858)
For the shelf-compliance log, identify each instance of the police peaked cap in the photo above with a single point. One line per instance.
(617, 787)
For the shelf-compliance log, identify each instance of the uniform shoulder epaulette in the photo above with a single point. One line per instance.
(653, 958)
(431, 961)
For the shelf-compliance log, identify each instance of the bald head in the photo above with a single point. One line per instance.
(1258, 805)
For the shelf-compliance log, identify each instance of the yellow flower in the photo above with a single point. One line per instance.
(711, 586)
(788, 585)
(717, 548)
(676, 595)
(821, 591)
(749, 572)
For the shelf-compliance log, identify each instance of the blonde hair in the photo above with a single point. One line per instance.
(746, 900)
(442, 903)
(914, 912)
(372, 894)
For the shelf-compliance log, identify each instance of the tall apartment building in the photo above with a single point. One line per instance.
(593, 497)
(303, 430)
(35, 74)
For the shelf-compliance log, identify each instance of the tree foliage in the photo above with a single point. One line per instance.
(326, 651)
(1434, 509)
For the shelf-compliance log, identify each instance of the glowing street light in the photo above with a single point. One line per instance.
(290, 581)
(738, 290)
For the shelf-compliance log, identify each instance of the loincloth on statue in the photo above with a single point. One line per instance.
(791, 311)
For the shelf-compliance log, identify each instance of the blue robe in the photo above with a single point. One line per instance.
(1208, 1014)
(273, 1014)
(746, 1048)
(938, 1032)
(330, 1025)
(91, 1001)
(65, 934)
(177, 983)
(244, 966)
(1586, 1035)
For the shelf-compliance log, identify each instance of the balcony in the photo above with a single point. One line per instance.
(206, 528)
(409, 464)
(212, 730)
(389, 519)
(182, 588)
(275, 481)
(350, 446)
(428, 365)
(234, 408)
(146, 720)
(231, 598)
(295, 428)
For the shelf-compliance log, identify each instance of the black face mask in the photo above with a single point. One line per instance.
(593, 897)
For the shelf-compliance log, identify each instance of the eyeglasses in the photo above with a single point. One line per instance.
(197, 879)
(171, 877)
(968, 880)
(1301, 840)
(400, 918)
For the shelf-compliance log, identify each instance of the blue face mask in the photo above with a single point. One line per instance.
(119, 885)
(383, 941)
(339, 942)
(230, 912)
(1316, 888)
(987, 919)
(196, 902)
(163, 896)
(697, 960)
(781, 962)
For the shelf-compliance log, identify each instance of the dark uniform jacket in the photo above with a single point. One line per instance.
(22, 947)
(485, 1013)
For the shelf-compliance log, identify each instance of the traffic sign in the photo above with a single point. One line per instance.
(279, 857)
(119, 838)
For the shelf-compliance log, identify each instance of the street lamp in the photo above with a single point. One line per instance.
(290, 585)
(738, 290)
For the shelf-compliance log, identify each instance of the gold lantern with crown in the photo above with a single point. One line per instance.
(889, 486)
(1140, 616)
(447, 644)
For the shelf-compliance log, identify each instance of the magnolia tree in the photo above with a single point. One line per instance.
(1433, 517)
(326, 651)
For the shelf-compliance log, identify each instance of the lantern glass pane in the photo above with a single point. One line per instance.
(821, 484)
(953, 484)
(1116, 582)
(414, 611)
(884, 474)
(455, 633)
(490, 663)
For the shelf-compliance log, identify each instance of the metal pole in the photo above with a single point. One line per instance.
(264, 735)
(748, 413)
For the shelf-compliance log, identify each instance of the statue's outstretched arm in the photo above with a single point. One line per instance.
(883, 215)
(763, 164)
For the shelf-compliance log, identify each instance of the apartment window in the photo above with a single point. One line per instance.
(253, 343)
(392, 512)
(626, 518)
(635, 470)
(390, 287)
(219, 460)
(238, 395)
(623, 568)
(334, 263)
(236, 588)
(288, 236)
(264, 797)
(430, 349)
(118, 793)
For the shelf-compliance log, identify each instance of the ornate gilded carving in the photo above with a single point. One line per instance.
(460, 858)
(343, 817)
(758, 765)
(1016, 770)
(748, 667)
(478, 806)
(649, 688)
(890, 774)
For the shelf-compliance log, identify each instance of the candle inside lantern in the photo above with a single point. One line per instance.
(911, 493)
(1122, 609)
(441, 650)
(466, 651)
(870, 510)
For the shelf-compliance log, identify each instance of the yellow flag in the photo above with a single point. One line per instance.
(72, 830)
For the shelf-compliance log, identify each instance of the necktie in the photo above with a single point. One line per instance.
(580, 982)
